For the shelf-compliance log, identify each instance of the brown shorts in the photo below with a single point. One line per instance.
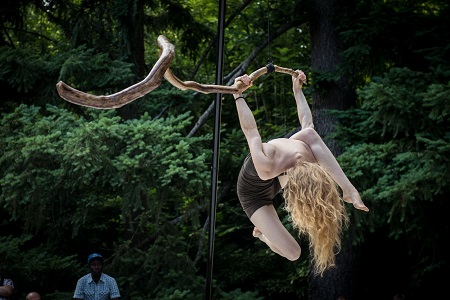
(253, 192)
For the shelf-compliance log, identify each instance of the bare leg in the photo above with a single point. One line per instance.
(258, 234)
(271, 231)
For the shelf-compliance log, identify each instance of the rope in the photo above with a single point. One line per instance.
(269, 59)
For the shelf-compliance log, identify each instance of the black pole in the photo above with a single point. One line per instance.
(215, 162)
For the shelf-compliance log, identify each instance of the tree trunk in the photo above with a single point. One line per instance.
(132, 24)
(336, 283)
(325, 57)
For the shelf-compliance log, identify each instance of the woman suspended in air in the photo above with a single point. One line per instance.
(305, 170)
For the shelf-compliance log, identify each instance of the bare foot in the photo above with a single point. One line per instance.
(354, 198)
(256, 232)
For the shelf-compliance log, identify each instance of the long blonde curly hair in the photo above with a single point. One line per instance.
(316, 208)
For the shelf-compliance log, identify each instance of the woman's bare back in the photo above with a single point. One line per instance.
(285, 154)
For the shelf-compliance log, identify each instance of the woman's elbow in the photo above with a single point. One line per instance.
(294, 253)
(309, 136)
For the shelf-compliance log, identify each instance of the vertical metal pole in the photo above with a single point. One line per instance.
(215, 162)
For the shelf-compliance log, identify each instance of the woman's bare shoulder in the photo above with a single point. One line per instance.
(292, 151)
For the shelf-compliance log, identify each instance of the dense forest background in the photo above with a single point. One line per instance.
(134, 183)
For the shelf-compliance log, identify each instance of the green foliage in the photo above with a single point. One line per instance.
(39, 268)
(23, 70)
(399, 154)
(239, 295)
(436, 99)
(82, 61)
(77, 180)
(167, 271)
(125, 158)
(101, 176)
(393, 101)
(379, 35)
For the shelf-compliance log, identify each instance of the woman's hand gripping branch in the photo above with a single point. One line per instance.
(247, 83)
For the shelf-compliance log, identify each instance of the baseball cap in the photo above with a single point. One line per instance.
(94, 255)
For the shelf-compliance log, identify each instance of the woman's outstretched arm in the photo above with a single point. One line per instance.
(319, 149)
(327, 160)
(262, 153)
(303, 110)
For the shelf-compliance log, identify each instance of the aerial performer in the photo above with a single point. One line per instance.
(308, 175)
(301, 166)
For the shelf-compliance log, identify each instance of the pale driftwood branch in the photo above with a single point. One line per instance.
(207, 89)
(210, 109)
(153, 80)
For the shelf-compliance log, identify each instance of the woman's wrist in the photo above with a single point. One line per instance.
(298, 87)
(238, 95)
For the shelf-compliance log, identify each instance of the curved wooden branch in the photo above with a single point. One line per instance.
(153, 80)
(207, 89)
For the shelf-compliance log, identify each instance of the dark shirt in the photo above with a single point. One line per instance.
(5, 281)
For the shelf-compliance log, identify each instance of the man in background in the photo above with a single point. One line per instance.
(96, 285)
(6, 286)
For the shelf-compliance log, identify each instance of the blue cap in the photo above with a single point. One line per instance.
(94, 255)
